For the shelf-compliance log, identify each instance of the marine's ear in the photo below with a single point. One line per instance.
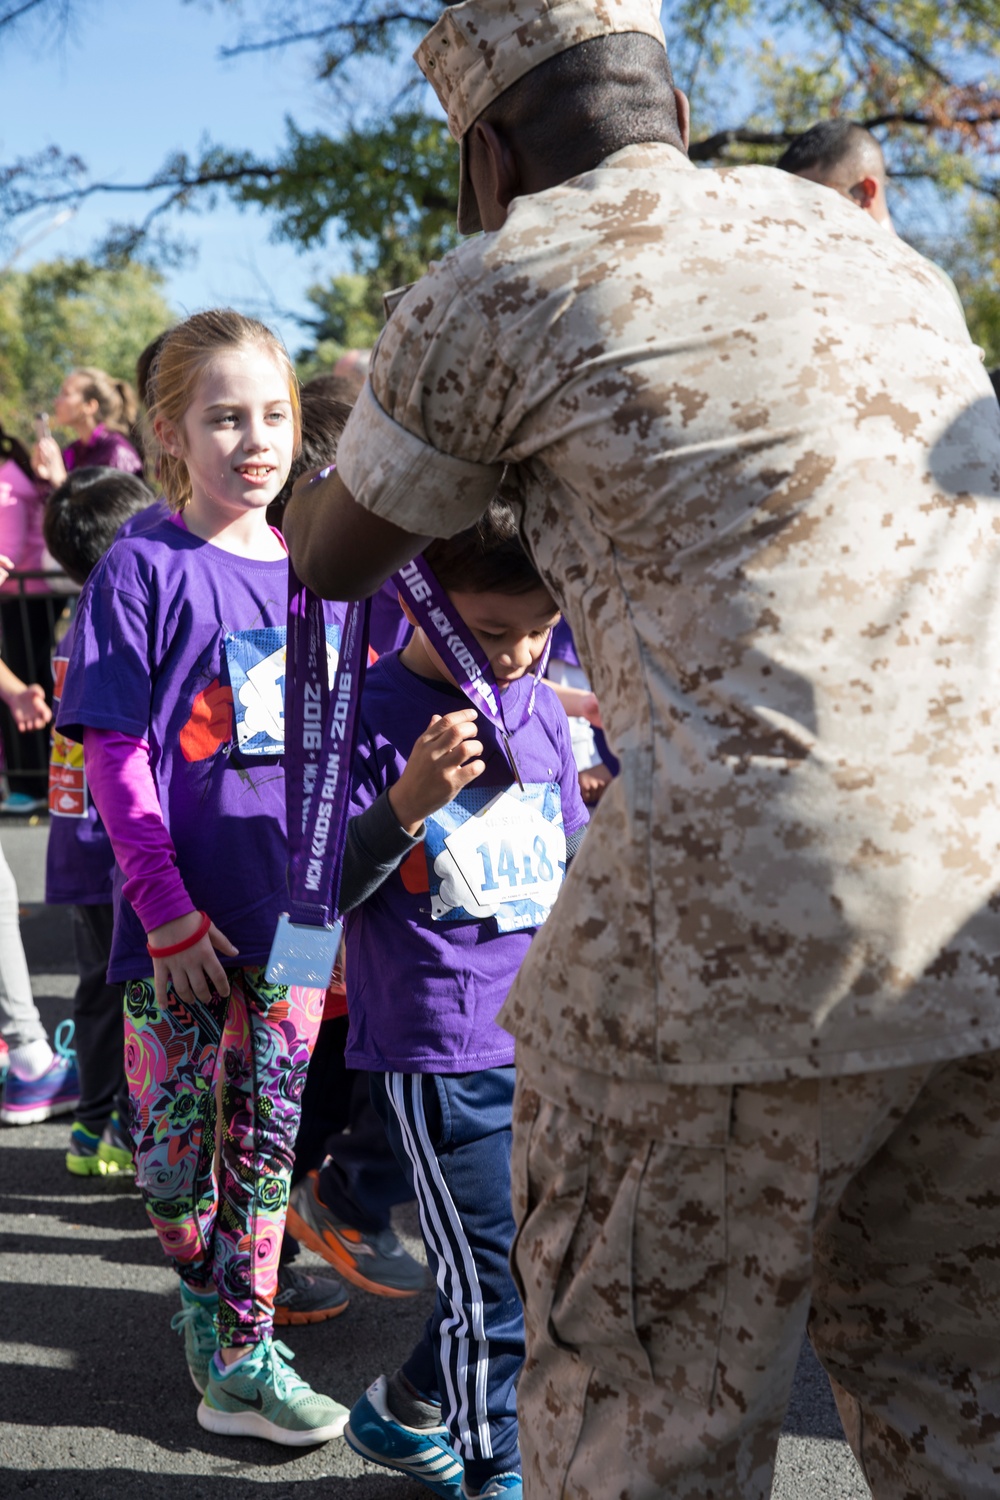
(683, 104)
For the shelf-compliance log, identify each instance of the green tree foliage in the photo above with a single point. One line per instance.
(65, 313)
(922, 74)
(348, 316)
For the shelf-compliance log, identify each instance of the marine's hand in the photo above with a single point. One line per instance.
(443, 761)
(195, 972)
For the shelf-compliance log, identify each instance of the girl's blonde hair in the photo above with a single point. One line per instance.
(184, 353)
(117, 407)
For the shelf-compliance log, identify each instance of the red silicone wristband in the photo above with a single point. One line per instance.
(189, 942)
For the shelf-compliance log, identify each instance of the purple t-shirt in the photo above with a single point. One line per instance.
(79, 859)
(182, 644)
(432, 954)
(104, 449)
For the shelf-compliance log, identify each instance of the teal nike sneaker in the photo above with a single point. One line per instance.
(262, 1396)
(196, 1320)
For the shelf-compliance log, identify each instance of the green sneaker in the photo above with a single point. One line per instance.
(81, 1158)
(196, 1320)
(114, 1150)
(262, 1396)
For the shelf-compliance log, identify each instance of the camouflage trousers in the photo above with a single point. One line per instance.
(670, 1252)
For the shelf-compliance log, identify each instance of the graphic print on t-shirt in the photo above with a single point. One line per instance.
(67, 782)
(256, 660)
(497, 854)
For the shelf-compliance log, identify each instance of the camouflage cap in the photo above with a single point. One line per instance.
(478, 49)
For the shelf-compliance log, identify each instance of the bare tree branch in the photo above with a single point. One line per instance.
(20, 10)
(852, 10)
(357, 31)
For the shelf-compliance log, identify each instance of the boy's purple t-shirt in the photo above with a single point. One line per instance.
(423, 995)
(79, 859)
(180, 644)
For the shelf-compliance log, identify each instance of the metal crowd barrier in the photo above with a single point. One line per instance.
(29, 626)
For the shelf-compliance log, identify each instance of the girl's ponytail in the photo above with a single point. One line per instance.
(117, 407)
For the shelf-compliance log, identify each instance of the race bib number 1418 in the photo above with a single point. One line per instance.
(497, 854)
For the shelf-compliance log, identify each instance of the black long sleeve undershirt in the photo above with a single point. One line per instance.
(376, 845)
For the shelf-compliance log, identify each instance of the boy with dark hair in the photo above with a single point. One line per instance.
(82, 519)
(450, 866)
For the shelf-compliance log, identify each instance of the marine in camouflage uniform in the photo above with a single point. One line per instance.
(759, 465)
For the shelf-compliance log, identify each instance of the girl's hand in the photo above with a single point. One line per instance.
(47, 461)
(6, 568)
(443, 761)
(29, 708)
(195, 972)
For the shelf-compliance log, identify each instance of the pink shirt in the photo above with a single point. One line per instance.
(22, 507)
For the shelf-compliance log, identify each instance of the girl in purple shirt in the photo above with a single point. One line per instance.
(101, 411)
(175, 686)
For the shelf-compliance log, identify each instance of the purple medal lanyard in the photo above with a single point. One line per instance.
(321, 728)
(462, 653)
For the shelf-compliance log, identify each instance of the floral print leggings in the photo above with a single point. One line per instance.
(251, 1050)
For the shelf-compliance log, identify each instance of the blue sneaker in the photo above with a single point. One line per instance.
(27, 1101)
(262, 1396)
(424, 1453)
(22, 804)
(196, 1320)
(500, 1487)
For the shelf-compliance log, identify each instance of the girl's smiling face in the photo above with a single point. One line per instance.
(237, 436)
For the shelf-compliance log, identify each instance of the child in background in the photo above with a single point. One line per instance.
(38, 1083)
(175, 686)
(448, 869)
(82, 519)
(567, 679)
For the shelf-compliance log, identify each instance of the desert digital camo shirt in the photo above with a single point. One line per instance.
(759, 462)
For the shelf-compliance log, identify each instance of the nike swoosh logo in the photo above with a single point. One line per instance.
(257, 1403)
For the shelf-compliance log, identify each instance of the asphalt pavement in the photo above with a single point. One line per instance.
(95, 1399)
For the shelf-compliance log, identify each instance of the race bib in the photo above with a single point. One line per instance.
(256, 660)
(67, 782)
(497, 854)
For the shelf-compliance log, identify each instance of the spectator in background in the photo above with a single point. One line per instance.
(102, 412)
(26, 615)
(844, 156)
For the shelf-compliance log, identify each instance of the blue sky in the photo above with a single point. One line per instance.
(134, 80)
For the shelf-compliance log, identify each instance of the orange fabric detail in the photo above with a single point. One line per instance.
(335, 1003)
(413, 872)
(210, 725)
